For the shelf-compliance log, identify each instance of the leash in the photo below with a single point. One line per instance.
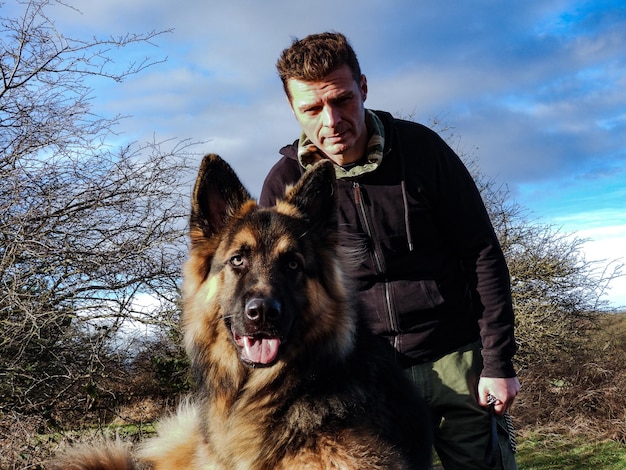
(494, 449)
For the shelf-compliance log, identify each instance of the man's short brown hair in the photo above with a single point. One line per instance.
(314, 57)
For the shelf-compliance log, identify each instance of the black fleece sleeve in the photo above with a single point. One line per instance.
(466, 219)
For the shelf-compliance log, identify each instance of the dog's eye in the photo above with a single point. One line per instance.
(293, 265)
(236, 261)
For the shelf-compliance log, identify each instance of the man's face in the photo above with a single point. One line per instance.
(331, 113)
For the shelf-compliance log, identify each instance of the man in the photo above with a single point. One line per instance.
(433, 280)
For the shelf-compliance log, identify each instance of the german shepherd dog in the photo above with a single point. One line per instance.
(287, 376)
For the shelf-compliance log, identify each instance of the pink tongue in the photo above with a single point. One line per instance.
(259, 350)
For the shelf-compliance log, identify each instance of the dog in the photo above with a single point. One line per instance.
(287, 375)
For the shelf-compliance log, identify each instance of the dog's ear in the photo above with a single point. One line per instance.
(315, 195)
(217, 195)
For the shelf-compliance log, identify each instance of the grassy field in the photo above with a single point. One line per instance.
(540, 450)
(547, 451)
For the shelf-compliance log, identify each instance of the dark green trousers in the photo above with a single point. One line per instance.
(463, 431)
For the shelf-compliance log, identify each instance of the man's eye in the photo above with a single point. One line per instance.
(236, 261)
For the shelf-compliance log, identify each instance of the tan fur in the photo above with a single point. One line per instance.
(331, 452)
(113, 455)
(178, 444)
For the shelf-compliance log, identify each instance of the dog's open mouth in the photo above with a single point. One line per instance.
(258, 350)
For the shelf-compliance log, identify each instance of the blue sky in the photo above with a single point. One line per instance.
(534, 90)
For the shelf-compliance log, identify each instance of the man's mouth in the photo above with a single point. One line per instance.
(335, 138)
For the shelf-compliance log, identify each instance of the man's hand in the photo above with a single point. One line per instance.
(503, 389)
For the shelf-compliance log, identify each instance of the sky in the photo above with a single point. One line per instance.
(534, 91)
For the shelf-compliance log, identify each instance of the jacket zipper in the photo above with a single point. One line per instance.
(377, 261)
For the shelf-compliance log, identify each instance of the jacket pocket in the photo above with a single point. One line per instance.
(415, 295)
(411, 303)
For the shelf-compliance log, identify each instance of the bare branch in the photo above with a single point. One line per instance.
(86, 230)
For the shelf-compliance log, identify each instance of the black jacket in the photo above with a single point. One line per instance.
(434, 277)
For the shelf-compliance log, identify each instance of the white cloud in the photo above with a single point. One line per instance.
(608, 247)
(604, 232)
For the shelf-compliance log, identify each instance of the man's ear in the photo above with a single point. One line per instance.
(363, 87)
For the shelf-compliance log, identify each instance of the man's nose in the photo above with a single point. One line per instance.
(330, 116)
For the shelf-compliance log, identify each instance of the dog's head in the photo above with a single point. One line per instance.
(266, 284)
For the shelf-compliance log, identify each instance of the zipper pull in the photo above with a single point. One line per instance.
(357, 192)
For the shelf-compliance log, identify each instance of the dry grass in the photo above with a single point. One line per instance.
(21, 445)
(582, 395)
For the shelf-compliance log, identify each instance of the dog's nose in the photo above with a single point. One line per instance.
(259, 309)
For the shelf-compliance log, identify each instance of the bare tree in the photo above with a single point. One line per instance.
(86, 230)
(557, 292)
